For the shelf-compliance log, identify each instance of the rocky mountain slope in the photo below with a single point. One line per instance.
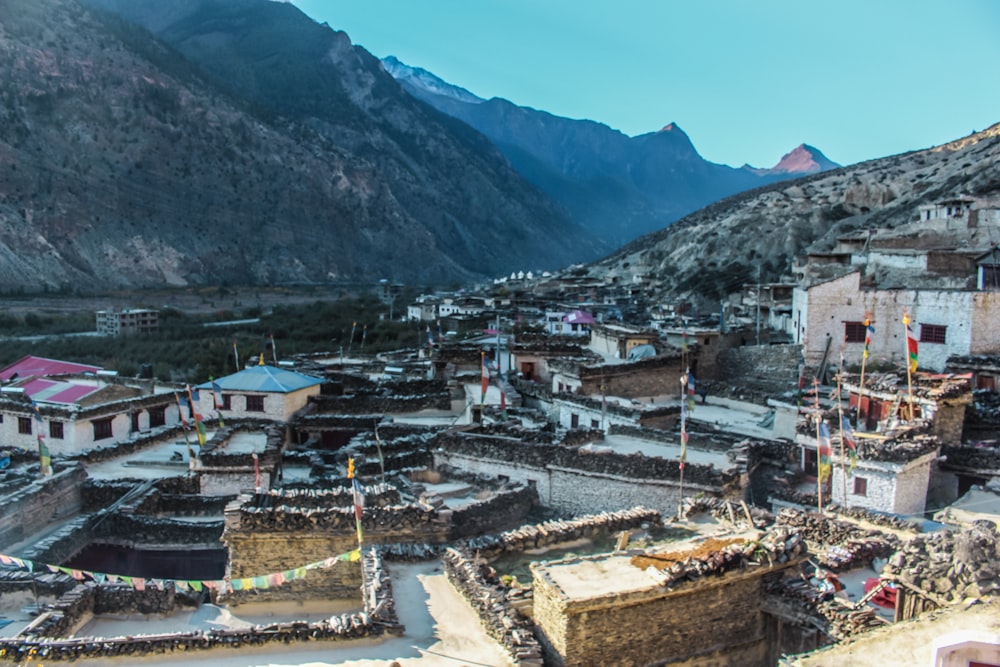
(759, 233)
(617, 186)
(274, 152)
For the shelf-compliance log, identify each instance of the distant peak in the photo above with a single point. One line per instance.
(803, 159)
(673, 127)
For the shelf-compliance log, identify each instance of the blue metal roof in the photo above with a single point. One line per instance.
(265, 379)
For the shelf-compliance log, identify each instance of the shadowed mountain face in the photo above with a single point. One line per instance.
(618, 187)
(757, 235)
(243, 144)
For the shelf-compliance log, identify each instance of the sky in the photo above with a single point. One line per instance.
(748, 80)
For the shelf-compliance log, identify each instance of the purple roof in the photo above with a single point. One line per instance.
(40, 367)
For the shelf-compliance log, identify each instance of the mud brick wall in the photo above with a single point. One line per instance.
(262, 541)
(760, 371)
(29, 509)
(714, 622)
(255, 553)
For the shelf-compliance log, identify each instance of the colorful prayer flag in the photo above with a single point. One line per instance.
(37, 413)
(359, 504)
(869, 332)
(44, 458)
(825, 451)
(911, 345)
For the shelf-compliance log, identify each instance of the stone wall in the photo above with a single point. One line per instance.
(715, 622)
(491, 601)
(29, 509)
(504, 509)
(759, 372)
(655, 376)
(576, 482)
(382, 402)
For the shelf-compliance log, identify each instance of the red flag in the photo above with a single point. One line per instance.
(485, 378)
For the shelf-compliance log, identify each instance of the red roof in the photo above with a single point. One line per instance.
(40, 367)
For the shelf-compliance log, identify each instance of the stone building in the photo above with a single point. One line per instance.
(624, 610)
(259, 392)
(829, 316)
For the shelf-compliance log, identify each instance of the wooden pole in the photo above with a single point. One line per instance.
(819, 450)
(909, 366)
(864, 361)
(840, 417)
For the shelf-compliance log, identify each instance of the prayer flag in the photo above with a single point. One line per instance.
(485, 378)
(825, 450)
(44, 458)
(359, 504)
(37, 411)
(869, 332)
(847, 435)
(911, 345)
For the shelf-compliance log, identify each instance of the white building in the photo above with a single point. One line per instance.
(830, 315)
(258, 392)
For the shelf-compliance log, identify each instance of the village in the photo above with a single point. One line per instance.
(805, 474)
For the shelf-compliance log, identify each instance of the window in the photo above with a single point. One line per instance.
(56, 430)
(102, 429)
(157, 417)
(595, 423)
(574, 420)
(860, 486)
(227, 402)
(24, 425)
(932, 333)
(854, 332)
(134, 417)
(255, 404)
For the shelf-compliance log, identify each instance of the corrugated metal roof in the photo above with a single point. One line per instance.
(51, 391)
(264, 379)
(40, 366)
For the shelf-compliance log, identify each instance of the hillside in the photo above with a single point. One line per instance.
(616, 186)
(759, 234)
(293, 159)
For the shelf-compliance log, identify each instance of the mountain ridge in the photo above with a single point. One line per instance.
(126, 165)
(616, 186)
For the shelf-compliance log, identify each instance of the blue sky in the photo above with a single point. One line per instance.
(748, 81)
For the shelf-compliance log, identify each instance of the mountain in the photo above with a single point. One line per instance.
(616, 186)
(757, 235)
(206, 142)
(802, 160)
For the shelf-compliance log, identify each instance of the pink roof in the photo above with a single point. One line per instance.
(53, 391)
(40, 367)
(579, 317)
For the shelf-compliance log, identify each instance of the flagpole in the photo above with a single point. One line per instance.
(840, 420)
(358, 501)
(909, 364)
(819, 450)
(864, 360)
(680, 504)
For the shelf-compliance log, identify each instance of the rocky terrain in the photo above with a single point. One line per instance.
(759, 234)
(258, 148)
